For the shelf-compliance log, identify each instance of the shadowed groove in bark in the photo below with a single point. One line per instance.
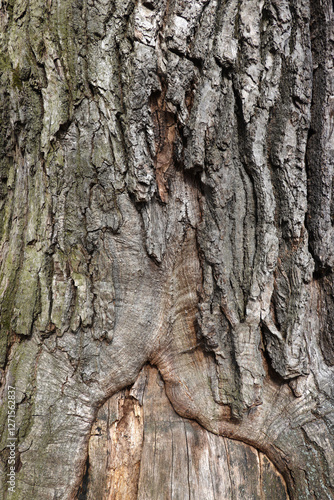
(320, 174)
(82, 493)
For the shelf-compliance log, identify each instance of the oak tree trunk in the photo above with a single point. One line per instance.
(167, 249)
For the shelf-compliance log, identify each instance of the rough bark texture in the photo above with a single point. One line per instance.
(167, 248)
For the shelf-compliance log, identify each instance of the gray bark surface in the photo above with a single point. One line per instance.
(167, 248)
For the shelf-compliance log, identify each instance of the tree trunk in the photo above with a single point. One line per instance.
(167, 249)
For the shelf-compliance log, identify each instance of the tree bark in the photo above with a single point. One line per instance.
(167, 249)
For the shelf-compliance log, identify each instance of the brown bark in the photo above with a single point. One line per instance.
(166, 224)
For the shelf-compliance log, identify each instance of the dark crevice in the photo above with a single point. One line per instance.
(321, 272)
(149, 5)
(83, 489)
(197, 62)
(62, 131)
(314, 148)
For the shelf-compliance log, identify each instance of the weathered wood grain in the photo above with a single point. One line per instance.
(178, 458)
